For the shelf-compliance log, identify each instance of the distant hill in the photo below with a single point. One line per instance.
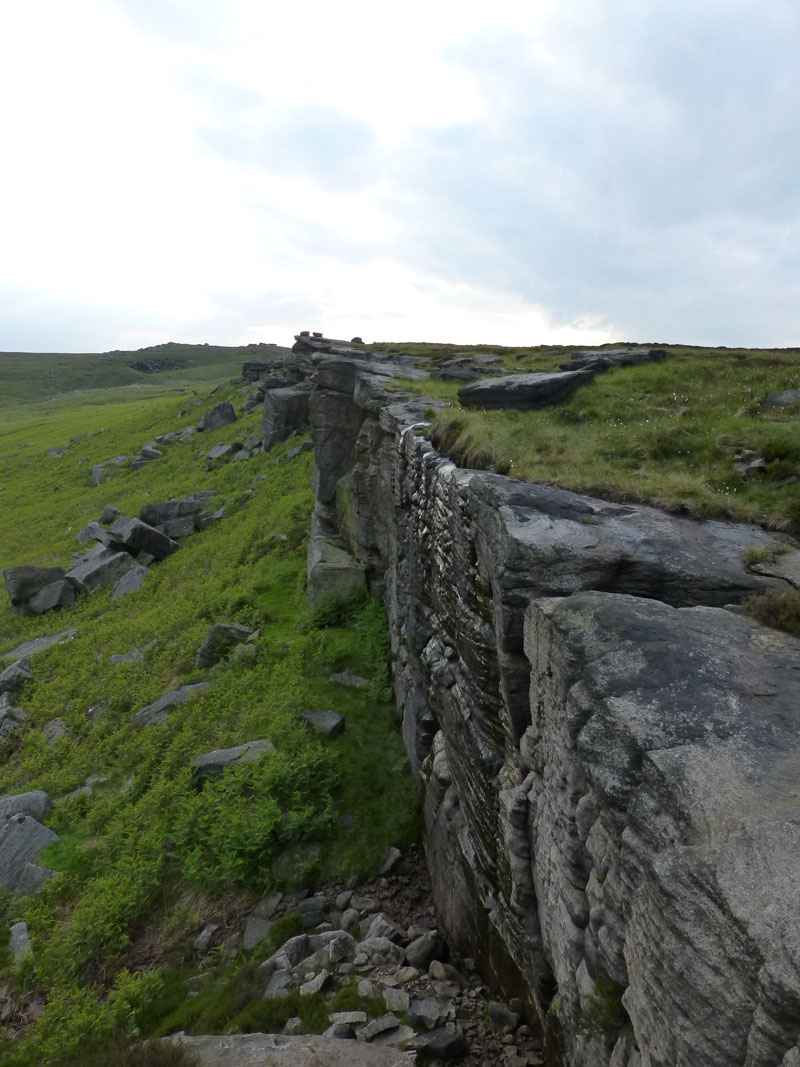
(30, 376)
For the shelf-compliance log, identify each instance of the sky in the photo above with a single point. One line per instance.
(521, 173)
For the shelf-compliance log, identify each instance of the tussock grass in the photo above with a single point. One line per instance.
(663, 433)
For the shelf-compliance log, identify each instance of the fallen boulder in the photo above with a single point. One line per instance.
(60, 594)
(523, 392)
(24, 582)
(100, 569)
(326, 723)
(219, 416)
(158, 712)
(22, 838)
(138, 536)
(130, 582)
(39, 644)
(212, 764)
(285, 410)
(220, 639)
(782, 398)
(14, 677)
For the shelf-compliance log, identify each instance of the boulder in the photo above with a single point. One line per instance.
(100, 569)
(523, 392)
(60, 594)
(178, 508)
(130, 582)
(35, 803)
(19, 941)
(331, 571)
(22, 838)
(285, 411)
(138, 536)
(219, 640)
(39, 644)
(14, 677)
(326, 723)
(222, 451)
(24, 582)
(219, 416)
(601, 359)
(782, 398)
(159, 711)
(108, 514)
(299, 450)
(213, 764)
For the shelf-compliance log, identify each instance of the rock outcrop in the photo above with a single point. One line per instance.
(606, 750)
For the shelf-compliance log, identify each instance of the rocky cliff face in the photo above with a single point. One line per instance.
(608, 756)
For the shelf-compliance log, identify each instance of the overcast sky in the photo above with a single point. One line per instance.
(497, 171)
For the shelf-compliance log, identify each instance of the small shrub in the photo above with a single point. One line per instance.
(781, 611)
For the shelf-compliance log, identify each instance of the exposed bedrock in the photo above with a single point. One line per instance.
(608, 757)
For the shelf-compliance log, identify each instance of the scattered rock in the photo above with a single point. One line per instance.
(220, 639)
(222, 451)
(22, 838)
(159, 711)
(59, 594)
(54, 730)
(218, 416)
(348, 677)
(326, 723)
(523, 392)
(14, 677)
(299, 450)
(213, 764)
(100, 569)
(108, 514)
(255, 930)
(279, 1050)
(24, 582)
(782, 398)
(202, 942)
(139, 536)
(39, 644)
(130, 582)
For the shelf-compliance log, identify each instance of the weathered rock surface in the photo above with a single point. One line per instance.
(275, 1050)
(159, 711)
(22, 838)
(219, 640)
(599, 802)
(212, 764)
(782, 398)
(35, 803)
(100, 569)
(130, 582)
(600, 359)
(285, 411)
(219, 416)
(138, 536)
(15, 676)
(326, 723)
(523, 392)
(39, 644)
(60, 594)
(24, 582)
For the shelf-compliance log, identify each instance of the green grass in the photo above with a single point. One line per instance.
(31, 376)
(663, 433)
(145, 857)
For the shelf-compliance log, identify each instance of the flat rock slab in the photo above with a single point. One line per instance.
(600, 359)
(782, 398)
(523, 392)
(177, 508)
(39, 644)
(275, 1050)
(212, 764)
(326, 723)
(159, 711)
(104, 568)
(22, 838)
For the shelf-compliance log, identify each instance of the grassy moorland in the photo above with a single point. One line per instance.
(31, 376)
(663, 433)
(144, 859)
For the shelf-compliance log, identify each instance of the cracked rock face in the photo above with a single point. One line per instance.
(607, 756)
